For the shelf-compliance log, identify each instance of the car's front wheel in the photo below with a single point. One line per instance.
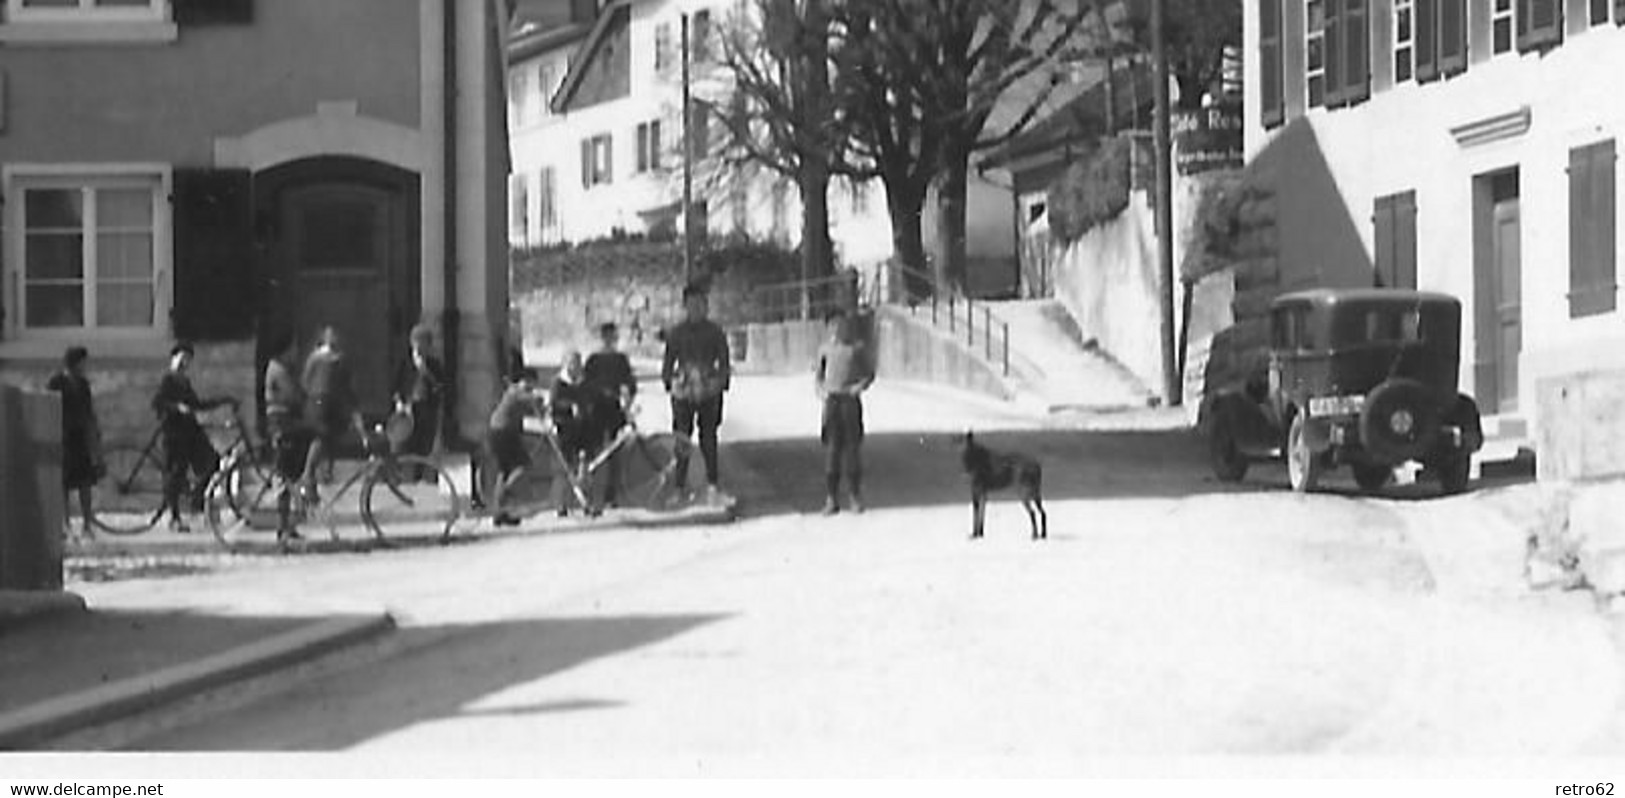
(1229, 464)
(1303, 465)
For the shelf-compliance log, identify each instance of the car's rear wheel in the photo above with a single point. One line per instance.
(1229, 464)
(1304, 466)
(1371, 477)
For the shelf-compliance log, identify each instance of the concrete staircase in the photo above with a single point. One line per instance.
(1056, 369)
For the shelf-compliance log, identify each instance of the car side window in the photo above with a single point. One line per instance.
(1290, 330)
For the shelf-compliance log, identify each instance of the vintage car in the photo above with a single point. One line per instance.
(1360, 377)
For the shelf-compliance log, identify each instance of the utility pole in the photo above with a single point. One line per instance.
(1165, 203)
(688, 164)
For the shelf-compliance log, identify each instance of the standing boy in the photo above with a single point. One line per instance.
(609, 373)
(284, 425)
(82, 464)
(186, 447)
(505, 441)
(696, 373)
(330, 402)
(420, 384)
(845, 369)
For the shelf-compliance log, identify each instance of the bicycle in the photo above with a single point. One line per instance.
(648, 468)
(396, 491)
(135, 476)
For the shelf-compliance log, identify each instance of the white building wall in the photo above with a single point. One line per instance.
(1400, 139)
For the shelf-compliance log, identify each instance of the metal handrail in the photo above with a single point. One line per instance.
(911, 276)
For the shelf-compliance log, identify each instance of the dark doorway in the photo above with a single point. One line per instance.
(341, 246)
(1498, 292)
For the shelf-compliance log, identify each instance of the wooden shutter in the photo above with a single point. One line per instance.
(609, 158)
(1540, 24)
(1272, 108)
(643, 147)
(1480, 33)
(1332, 44)
(1619, 12)
(190, 13)
(654, 144)
(1395, 240)
(1356, 51)
(1452, 36)
(1591, 230)
(586, 163)
(215, 277)
(1426, 47)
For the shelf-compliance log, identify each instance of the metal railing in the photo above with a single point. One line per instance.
(889, 283)
(956, 312)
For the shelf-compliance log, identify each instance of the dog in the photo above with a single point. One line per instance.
(990, 471)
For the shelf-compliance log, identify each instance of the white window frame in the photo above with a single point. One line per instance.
(14, 179)
(1311, 72)
(1509, 14)
(88, 23)
(601, 160)
(1405, 43)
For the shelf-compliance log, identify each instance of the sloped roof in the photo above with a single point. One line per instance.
(1083, 118)
(616, 10)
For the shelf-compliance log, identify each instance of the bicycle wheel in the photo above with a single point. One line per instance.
(410, 494)
(237, 501)
(649, 474)
(127, 500)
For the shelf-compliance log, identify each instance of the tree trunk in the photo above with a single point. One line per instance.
(908, 242)
(816, 262)
(951, 199)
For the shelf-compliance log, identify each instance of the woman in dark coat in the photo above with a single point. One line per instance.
(82, 465)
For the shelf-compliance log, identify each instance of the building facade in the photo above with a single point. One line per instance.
(596, 115)
(224, 171)
(1465, 146)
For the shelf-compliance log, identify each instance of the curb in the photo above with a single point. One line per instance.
(36, 723)
(19, 607)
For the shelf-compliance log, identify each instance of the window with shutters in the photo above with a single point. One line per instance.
(1592, 240)
(597, 159)
(1539, 23)
(1394, 220)
(85, 251)
(1404, 40)
(1271, 106)
(88, 21)
(648, 146)
(1314, 47)
(665, 53)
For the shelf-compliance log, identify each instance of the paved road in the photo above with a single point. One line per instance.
(1167, 616)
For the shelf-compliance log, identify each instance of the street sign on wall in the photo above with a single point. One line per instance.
(1207, 139)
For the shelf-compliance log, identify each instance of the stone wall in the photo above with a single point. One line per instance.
(31, 502)
(123, 388)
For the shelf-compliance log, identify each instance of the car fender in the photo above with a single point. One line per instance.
(1466, 417)
(1247, 421)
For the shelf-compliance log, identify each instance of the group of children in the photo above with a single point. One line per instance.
(306, 411)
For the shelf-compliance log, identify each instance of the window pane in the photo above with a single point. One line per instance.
(123, 305)
(1317, 90)
(1317, 16)
(124, 208)
(1503, 35)
(50, 3)
(1404, 34)
(54, 256)
(1402, 64)
(53, 207)
(1317, 54)
(55, 306)
(1599, 12)
(124, 255)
